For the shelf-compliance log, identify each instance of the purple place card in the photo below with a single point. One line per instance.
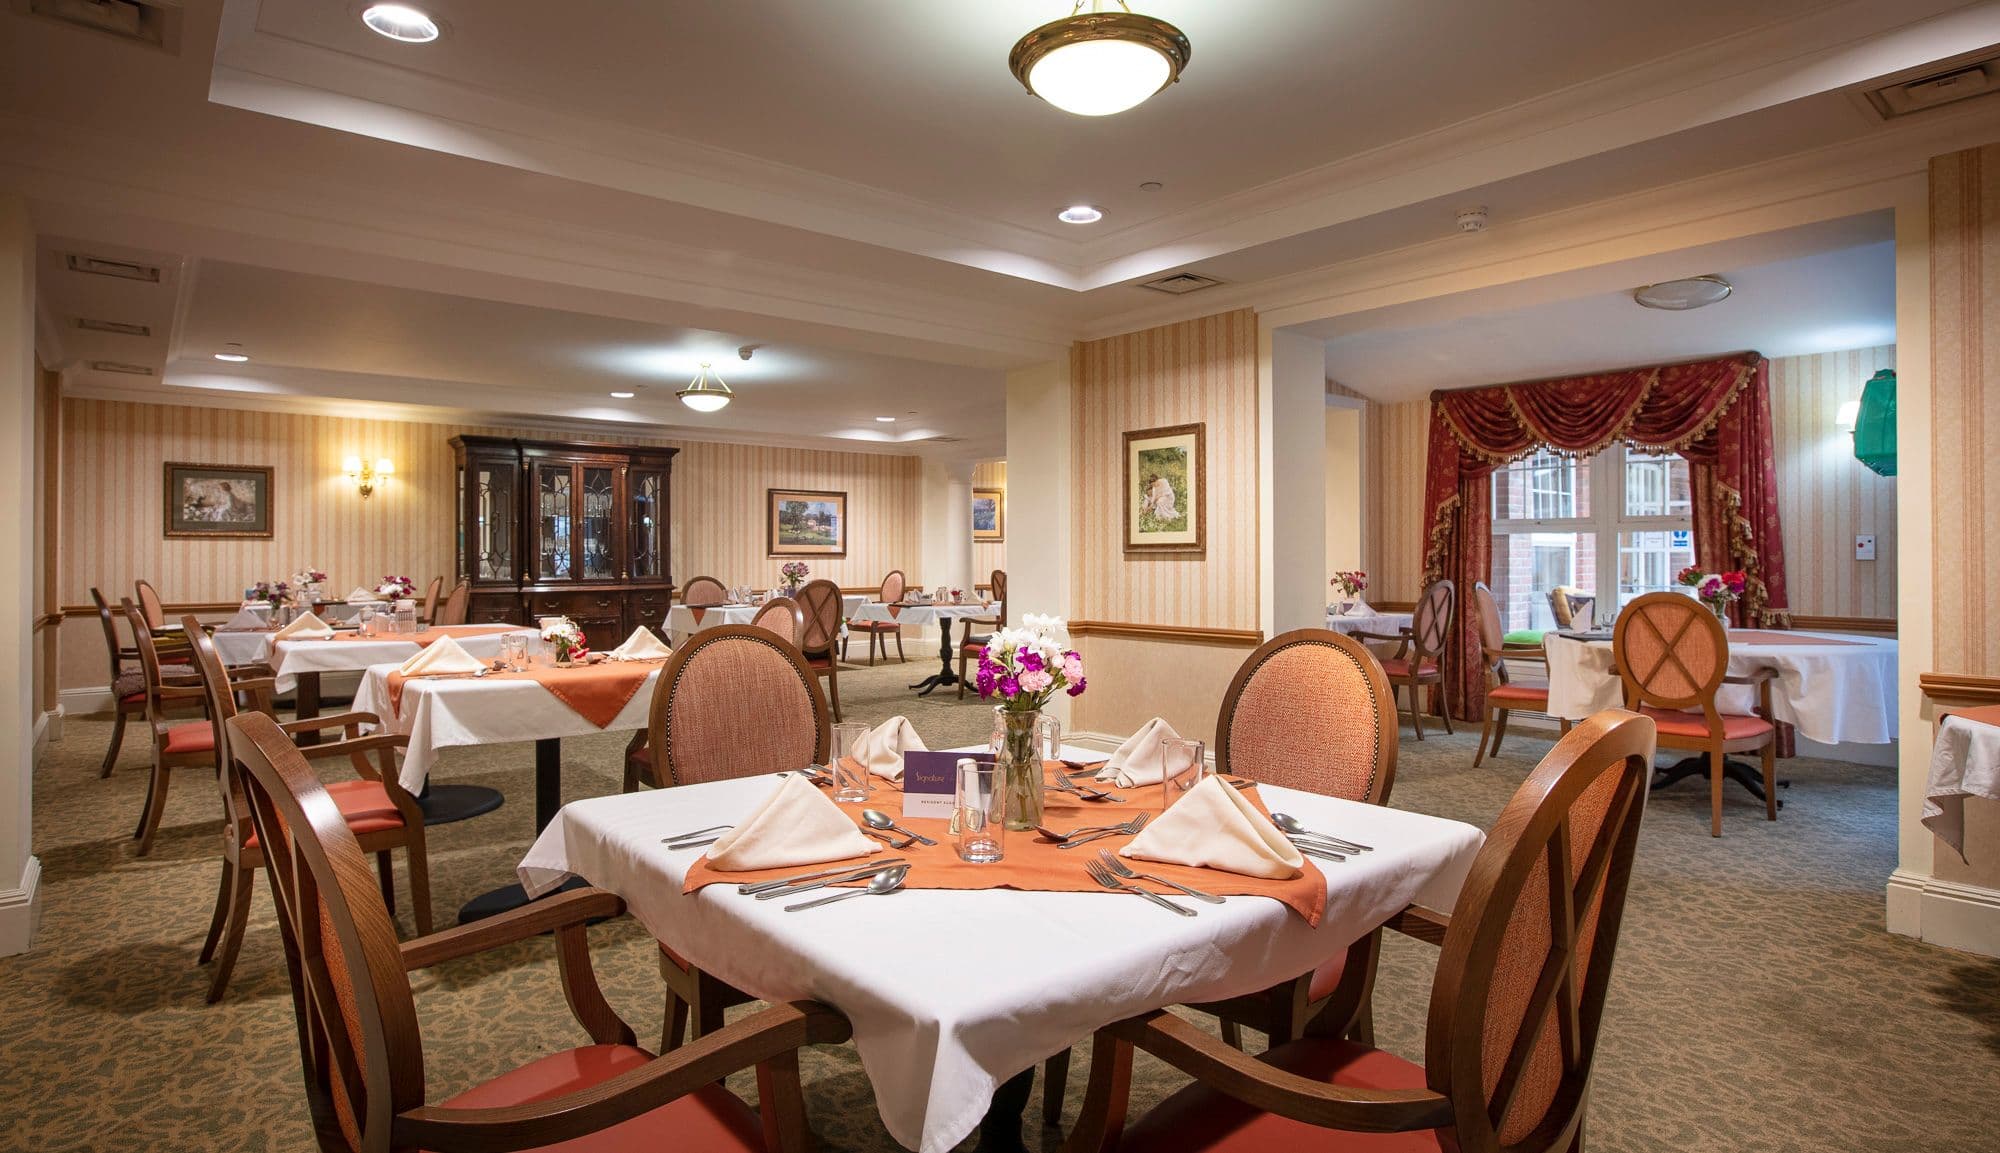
(930, 780)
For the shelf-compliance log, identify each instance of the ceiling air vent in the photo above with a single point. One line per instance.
(1180, 283)
(120, 366)
(1935, 90)
(153, 22)
(944, 440)
(114, 326)
(122, 269)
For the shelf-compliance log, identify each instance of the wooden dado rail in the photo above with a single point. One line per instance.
(1883, 625)
(1960, 690)
(1245, 638)
(200, 607)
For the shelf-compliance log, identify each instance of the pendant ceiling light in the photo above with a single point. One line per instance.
(1098, 63)
(705, 393)
(1875, 424)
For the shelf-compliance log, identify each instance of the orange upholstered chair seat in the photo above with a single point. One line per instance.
(873, 626)
(1673, 723)
(643, 754)
(191, 737)
(1511, 695)
(1326, 978)
(1199, 1119)
(1400, 667)
(709, 1120)
(364, 803)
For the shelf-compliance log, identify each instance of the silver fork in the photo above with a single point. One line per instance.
(1103, 877)
(1124, 830)
(1064, 784)
(1122, 869)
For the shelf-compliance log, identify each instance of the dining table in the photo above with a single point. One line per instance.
(1367, 620)
(957, 992)
(683, 621)
(543, 704)
(923, 613)
(1965, 762)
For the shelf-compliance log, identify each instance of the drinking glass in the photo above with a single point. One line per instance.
(979, 817)
(406, 616)
(1183, 764)
(514, 650)
(1048, 737)
(850, 776)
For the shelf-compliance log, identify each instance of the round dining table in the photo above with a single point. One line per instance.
(923, 614)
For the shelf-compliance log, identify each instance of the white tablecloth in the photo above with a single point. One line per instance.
(290, 658)
(681, 623)
(921, 615)
(1386, 624)
(1965, 762)
(1834, 692)
(951, 992)
(446, 713)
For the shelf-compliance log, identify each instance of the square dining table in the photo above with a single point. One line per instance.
(952, 993)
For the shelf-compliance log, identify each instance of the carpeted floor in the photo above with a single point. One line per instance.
(1757, 1004)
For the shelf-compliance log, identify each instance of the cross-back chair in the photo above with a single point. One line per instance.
(1515, 1008)
(970, 647)
(1503, 696)
(1672, 656)
(457, 606)
(819, 636)
(781, 616)
(380, 814)
(703, 591)
(362, 1050)
(894, 587)
(428, 611)
(177, 744)
(1419, 659)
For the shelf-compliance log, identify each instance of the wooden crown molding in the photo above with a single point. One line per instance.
(1244, 638)
(1960, 690)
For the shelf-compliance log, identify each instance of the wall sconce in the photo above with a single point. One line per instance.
(1849, 413)
(364, 475)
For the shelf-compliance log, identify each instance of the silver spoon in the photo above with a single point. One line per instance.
(887, 881)
(1291, 825)
(877, 819)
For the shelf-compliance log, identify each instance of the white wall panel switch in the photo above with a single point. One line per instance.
(1864, 546)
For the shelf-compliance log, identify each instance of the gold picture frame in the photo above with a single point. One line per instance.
(989, 515)
(1166, 490)
(803, 522)
(216, 501)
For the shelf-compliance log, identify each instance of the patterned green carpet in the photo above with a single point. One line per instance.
(1758, 1004)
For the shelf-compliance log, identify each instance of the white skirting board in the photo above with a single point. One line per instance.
(1947, 913)
(21, 911)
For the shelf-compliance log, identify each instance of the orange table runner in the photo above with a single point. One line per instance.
(1774, 637)
(597, 692)
(429, 636)
(1033, 864)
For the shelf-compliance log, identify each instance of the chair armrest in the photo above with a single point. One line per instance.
(768, 1036)
(353, 746)
(530, 920)
(1256, 1083)
(1422, 923)
(1503, 653)
(333, 721)
(173, 690)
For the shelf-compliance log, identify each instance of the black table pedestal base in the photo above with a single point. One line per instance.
(443, 804)
(506, 899)
(548, 799)
(1742, 772)
(944, 676)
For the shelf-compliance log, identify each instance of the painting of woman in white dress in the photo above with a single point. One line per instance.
(1164, 480)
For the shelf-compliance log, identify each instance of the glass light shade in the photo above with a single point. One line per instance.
(351, 466)
(1875, 427)
(384, 466)
(704, 400)
(400, 22)
(1099, 77)
(1849, 412)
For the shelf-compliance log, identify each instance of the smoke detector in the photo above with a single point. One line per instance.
(1472, 219)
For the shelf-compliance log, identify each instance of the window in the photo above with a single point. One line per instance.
(1549, 533)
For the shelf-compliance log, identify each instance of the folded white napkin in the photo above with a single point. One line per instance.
(642, 645)
(1213, 827)
(1583, 617)
(307, 627)
(796, 825)
(1360, 609)
(1137, 761)
(442, 657)
(243, 621)
(881, 748)
(362, 596)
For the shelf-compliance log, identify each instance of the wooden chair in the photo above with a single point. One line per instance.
(1420, 652)
(820, 602)
(378, 812)
(457, 606)
(1672, 654)
(733, 701)
(1515, 1007)
(128, 685)
(358, 1032)
(970, 647)
(703, 591)
(155, 613)
(1502, 695)
(176, 744)
(782, 616)
(427, 614)
(893, 589)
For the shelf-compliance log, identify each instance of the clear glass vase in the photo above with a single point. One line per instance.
(1020, 761)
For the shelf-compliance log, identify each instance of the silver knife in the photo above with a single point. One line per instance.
(785, 888)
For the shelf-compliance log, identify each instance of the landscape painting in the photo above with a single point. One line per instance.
(217, 500)
(1165, 486)
(806, 523)
(989, 514)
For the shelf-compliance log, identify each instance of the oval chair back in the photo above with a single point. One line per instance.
(893, 586)
(820, 604)
(736, 701)
(1486, 613)
(1311, 710)
(1671, 653)
(703, 591)
(997, 583)
(149, 661)
(430, 605)
(1431, 622)
(782, 616)
(1521, 980)
(221, 695)
(149, 603)
(457, 607)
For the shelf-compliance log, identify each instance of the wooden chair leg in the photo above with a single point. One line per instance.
(874, 640)
(1102, 1119)
(1715, 759)
(117, 742)
(387, 872)
(899, 648)
(675, 1027)
(833, 691)
(1485, 734)
(241, 884)
(1232, 1034)
(961, 672)
(1771, 781)
(1499, 729)
(631, 775)
(1444, 707)
(1055, 1086)
(221, 916)
(420, 885)
(156, 807)
(1416, 708)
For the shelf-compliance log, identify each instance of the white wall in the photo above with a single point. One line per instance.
(1040, 495)
(1343, 488)
(1291, 415)
(20, 872)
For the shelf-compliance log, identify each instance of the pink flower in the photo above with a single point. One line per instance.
(1072, 667)
(1036, 681)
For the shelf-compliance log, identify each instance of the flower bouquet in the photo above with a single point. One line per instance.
(792, 574)
(1025, 667)
(273, 593)
(566, 638)
(396, 588)
(1716, 590)
(1351, 583)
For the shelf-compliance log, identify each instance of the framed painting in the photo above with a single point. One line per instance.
(1166, 490)
(804, 523)
(989, 514)
(217, 500)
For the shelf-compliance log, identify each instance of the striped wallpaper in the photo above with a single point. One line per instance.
(1965, 400)
(990, 555)
(1825, 496)
(1196, 371)
(1396, 444)
(111, 501)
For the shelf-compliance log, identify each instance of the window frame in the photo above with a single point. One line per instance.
(1607, 519)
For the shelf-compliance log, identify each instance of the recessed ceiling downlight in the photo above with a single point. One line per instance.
(1684, 295)
(1080, 214)
(400, 22)
(623, 395)
(885, 420)
(232, 353)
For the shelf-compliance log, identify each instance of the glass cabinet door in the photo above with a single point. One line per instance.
(648, 492)
(554, 506)
(492, 528)
(599, 555)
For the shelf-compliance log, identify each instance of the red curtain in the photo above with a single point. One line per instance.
(1716, 413)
